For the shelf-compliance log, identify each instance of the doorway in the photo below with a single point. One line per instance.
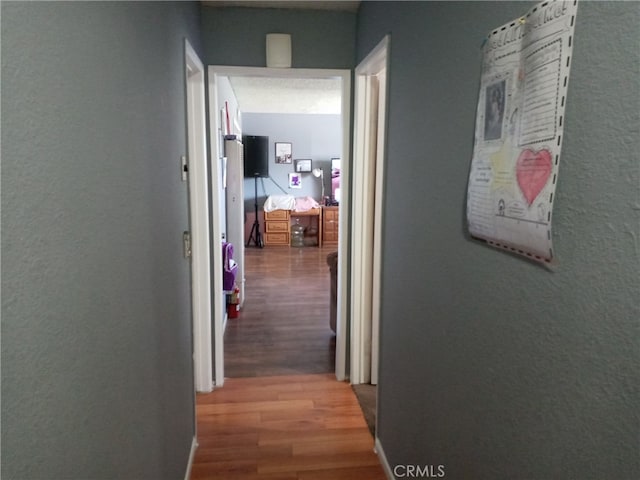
(368, 194)
(218, 126)
(196, 241)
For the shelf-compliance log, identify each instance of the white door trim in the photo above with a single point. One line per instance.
(343, 242)
(377, 224)
(366, 223)
(199, 219)
(216, 145)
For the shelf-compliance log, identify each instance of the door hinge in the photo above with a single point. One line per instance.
(184, 168)
(186, 244)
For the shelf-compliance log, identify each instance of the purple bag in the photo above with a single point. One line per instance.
(229, 267)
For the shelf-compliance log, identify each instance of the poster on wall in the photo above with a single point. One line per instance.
(295, 180)
(518, 133)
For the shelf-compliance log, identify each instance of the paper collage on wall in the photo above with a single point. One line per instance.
(518, 134)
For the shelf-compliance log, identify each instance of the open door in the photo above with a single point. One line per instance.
(199, 219)
(368, 193)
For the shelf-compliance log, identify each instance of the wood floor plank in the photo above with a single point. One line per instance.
(354, 473)
(336, 446)
(292, 425)
(222, 470)
(243, 475)
(231, 423)
(325, 396)
(232, 439)
(354, 420)
(301, 437)
(303, 463)
(318, 414)
(281, 381)
(222, 454)
(252, 407)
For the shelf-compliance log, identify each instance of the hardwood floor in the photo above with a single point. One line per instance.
(296, 427)
(283, 328)
(281, 414)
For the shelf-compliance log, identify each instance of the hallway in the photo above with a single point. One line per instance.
(281, 414)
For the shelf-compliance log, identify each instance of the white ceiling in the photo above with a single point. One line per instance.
(287, 95)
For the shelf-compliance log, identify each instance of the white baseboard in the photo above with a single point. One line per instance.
(383, 460)
(192, 454)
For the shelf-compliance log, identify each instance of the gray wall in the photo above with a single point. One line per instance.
(319, 39)
(491, 365)
(318, 137)
(97, 379)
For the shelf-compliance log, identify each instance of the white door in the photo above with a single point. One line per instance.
(234, 194)
(368, 192)
(199, 213)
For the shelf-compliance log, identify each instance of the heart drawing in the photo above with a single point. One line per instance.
(532, 172)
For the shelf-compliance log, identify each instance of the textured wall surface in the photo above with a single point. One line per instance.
(493, 366)
(97, 379)
(318, 137)
(319, 39)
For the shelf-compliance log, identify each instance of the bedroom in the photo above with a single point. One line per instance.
(304, 117)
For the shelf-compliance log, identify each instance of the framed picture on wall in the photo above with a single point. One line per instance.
(295, 181)
(283, 152)
(303, 165)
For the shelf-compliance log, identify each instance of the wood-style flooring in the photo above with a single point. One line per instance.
(281, 414)
(298, 427)
(283, 327)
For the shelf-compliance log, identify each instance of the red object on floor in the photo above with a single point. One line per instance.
(232, 310)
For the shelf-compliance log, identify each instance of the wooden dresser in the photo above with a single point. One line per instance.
(276, 227)
(330, 221)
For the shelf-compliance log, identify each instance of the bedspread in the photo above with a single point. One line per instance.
(289, 202)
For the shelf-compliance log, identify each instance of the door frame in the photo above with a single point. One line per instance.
(214, 71)
(199, 218)
(369, 153)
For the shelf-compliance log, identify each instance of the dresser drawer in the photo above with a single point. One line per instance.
(271, 238)
(282, 227)
(330, 237)
(330, 223)
(331, 215)
(277, 215)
